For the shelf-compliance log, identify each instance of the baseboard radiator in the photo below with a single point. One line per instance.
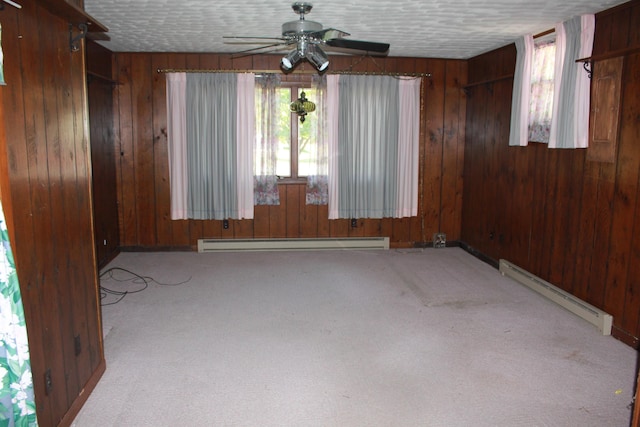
(238, 245)
(591, 314)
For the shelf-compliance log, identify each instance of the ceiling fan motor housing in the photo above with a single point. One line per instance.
(301, 26)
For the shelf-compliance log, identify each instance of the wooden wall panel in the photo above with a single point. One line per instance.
(453, 150)
(47, 197)
(143, 149)
(143, 186)
(558, 213)
(103, 152)
(433, 101)
(128, 199)
(626, 224)
(37, 98)
(160, 149)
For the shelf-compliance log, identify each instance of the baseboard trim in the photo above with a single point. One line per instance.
(625, 337)
(81, 399)
(482, 257)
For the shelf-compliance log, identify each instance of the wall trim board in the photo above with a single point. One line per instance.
(79, 402)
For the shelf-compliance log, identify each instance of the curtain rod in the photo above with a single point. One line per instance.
(361, 73)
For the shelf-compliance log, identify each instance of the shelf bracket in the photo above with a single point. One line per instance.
(588, 67)
(74, 41)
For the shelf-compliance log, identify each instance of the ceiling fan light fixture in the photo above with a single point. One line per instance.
(291, 59)
(317, 57)
(309, 37)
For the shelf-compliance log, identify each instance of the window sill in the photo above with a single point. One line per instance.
(292, 181)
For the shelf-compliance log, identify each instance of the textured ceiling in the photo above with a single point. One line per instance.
(416, 28)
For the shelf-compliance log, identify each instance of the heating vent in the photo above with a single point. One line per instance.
(591, 314)
(232, 245)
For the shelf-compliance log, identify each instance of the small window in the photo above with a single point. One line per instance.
(296, 140)
(542, 80)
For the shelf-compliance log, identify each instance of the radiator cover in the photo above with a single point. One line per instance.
(238, 245)
(603, 321)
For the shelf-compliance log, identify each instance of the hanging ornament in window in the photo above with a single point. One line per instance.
(302, 106)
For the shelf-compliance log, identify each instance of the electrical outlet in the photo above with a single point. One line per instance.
(225, 224)
(439, 240)
(354, 223)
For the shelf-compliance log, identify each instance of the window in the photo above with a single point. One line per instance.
(542, 81)
(295, 140)
(569, 96)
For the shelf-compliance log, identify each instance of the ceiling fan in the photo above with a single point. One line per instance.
(310, 41)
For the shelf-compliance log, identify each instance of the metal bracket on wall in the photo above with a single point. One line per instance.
(588, 67)
(74, 41)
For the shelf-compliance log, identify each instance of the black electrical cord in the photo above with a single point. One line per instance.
(134, 278)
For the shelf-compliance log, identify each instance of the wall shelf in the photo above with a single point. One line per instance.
(73, 14)
(611, 54)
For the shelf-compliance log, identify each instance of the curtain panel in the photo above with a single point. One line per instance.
(519, 131)
(569, 127)
(317, 190)
(266, 146)
(17, 402)
(373, 132)
(211, 132)
(177, 142)
(572, 87)
(542, 81)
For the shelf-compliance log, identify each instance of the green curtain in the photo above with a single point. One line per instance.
(17, 404)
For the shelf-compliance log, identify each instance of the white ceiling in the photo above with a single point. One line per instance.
(415, 28)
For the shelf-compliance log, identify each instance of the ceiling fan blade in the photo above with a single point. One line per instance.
(261, 49)
(328, 34)
(251, 40)
(372, 47)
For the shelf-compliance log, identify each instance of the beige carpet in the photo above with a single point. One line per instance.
(430, 337)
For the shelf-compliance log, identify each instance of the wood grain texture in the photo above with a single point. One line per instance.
(103, 153)
(140, 120)
(557, 213)
(47, 194)
(605, 111)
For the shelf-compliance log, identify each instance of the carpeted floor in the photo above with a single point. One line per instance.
(429, 337)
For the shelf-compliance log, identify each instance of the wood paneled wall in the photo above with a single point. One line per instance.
(45, 178)
(100, 87)
(569, 220)
(143, 178)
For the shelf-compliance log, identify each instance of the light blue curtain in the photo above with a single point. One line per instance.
(211, 148)
(17, 404)
(211, 139)
(572, 96)
(266, 147)
(368, 146)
